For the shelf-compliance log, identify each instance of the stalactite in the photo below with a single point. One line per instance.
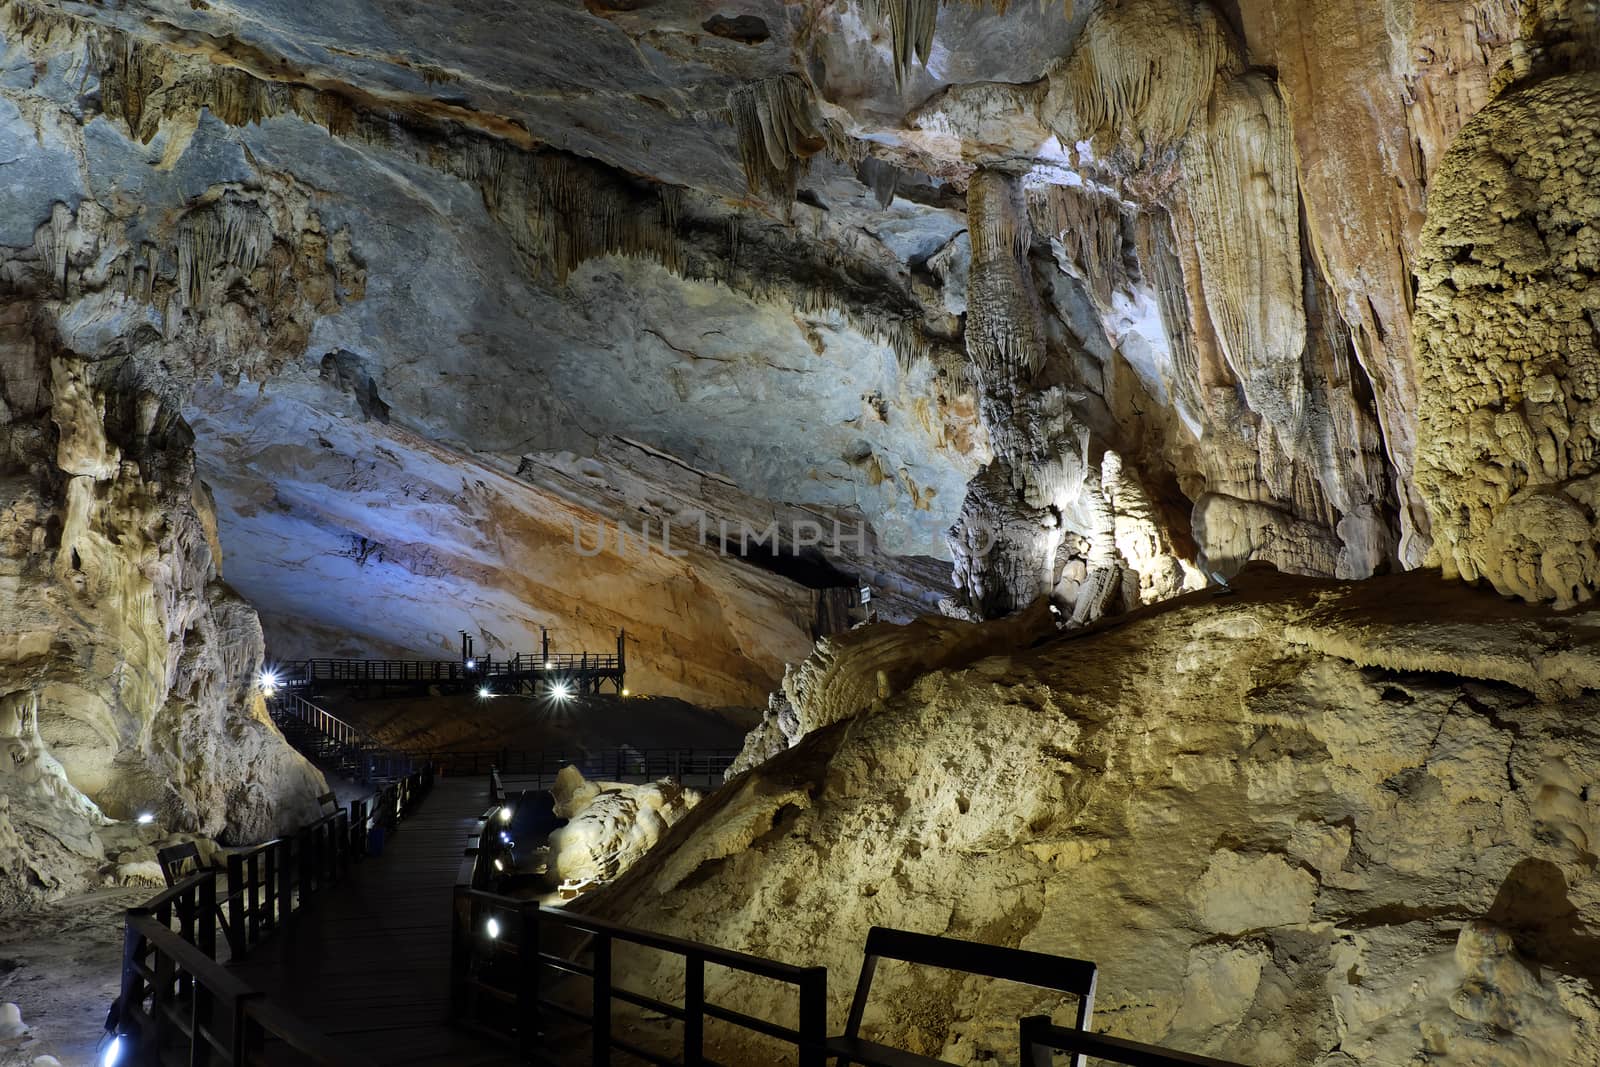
(1005, 331)
(1153, 239)
(1088, 224)
(912, 24)
(1241, 190)
(225, 236)
(778, 129)
(882, 177)
(1138, 77)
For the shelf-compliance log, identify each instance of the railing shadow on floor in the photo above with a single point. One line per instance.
(177, 998)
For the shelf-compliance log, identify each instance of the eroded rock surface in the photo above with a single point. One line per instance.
(1304, 824)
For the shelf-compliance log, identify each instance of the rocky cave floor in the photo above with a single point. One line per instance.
(61, 964)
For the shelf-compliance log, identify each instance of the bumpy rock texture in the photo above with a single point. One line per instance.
(1305, 824)
(1508, 337)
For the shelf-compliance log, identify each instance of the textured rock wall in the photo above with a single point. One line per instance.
(1305, 824)
(137, 663)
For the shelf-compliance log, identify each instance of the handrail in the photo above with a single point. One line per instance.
(426, 670)
(325, 721)
(221, 1007)
(504, 965)
(609, 763)
(182, 995)
(357, 743)
(1040, 1038)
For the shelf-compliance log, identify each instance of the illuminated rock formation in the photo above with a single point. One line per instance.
(1306, 824)
(610, 825)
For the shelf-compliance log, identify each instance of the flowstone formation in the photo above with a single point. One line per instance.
(1305, 823)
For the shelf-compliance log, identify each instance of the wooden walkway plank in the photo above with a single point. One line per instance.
(368, 962)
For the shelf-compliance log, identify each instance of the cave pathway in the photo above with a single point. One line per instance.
(369, 963)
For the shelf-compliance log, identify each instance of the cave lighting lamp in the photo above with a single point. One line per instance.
(546, 664)
(268, 682)
(472, 664)
(499, 865)
(624, 692)
(505, 814)
(112, 1053)
(492, 927)
(145, 818)
(561, 690)
(484, 693)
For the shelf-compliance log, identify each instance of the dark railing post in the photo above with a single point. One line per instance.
(307, 864)
(602, 1000)
(285, 888)
(236, 903)
(814, 1018)
(460, 952)
(206, 917)
(694, 1011)
(269, 882)
(528, 981)
(133, 983)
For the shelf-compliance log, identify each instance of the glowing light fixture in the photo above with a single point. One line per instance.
(268, 682)
(484, 693)
(145, 818)
(112, 1053)
(561, 690)
(499, 865)
(624, 692)
(546, 664)
(492, 927)
(472, 664)
(505, 814)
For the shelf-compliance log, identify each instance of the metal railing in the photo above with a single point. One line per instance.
(611, 764)
(323, 721)
(176, 997)
(370, 759)
(503, 979)
(445, 670)
(1041, 1039)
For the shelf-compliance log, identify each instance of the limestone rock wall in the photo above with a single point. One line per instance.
(137, 664)
(1306, 823)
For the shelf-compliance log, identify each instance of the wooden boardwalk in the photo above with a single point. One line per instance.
(368, 962)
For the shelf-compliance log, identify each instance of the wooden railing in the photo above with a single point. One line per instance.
(177, 998)
(1041, 1039)
(503, 979)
